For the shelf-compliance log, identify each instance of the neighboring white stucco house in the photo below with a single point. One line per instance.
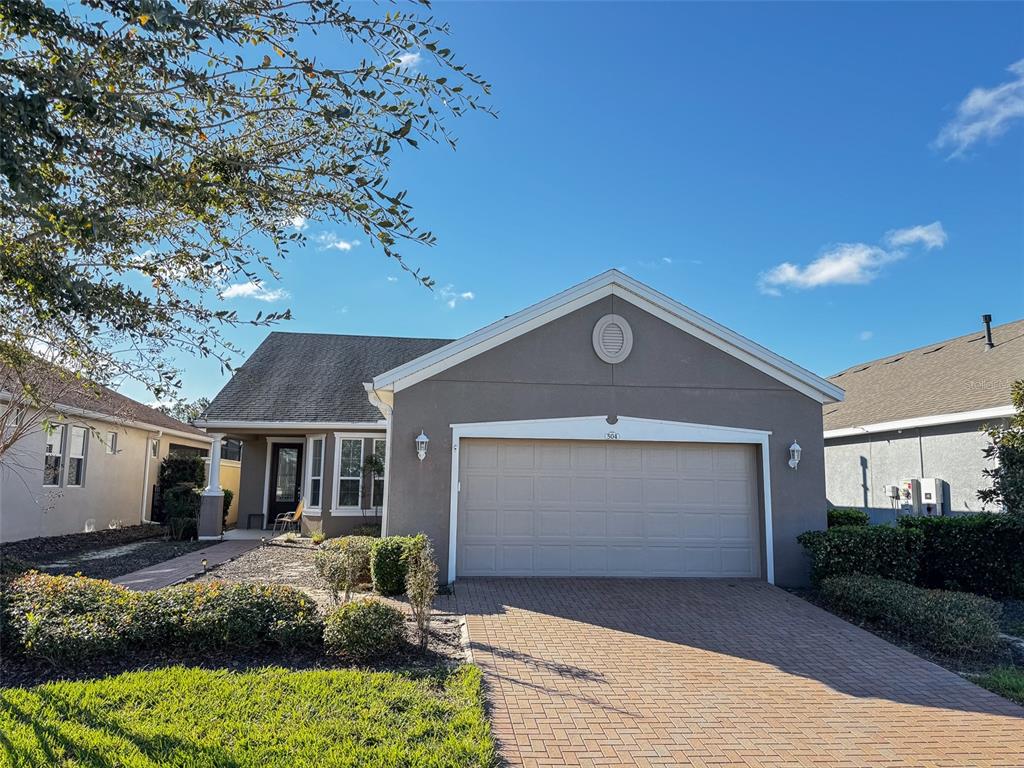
(919, 415)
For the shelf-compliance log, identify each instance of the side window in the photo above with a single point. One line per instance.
(350, 475)
(54, 449)
(111, 442)
(154, 447)
(77, 446)
(377, 497)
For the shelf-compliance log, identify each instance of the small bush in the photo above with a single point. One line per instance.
(877, 550)
(318, 537)
(955, 624)
(847, 516)
(364, 630)
(229, 496)
(176, 469)
(181, 504)
(981, 553)
(388, 562)
(344, 564)
(214, 616)
(421, 586)
(69, 619)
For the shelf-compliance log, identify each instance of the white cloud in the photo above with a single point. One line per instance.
(253, 291)
(392, 279)
(850, 263)
(929, 235)
(410, 60)
(299, 222)
(666, 259)
(986, 113)
(865, 335)
(843, 264)
(329, 240)
(451, 297)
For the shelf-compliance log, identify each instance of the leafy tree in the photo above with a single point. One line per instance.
(1007, 450)
(184, 410)
(152, 152)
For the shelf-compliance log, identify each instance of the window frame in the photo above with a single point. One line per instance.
(69, 457)
(357, 510)
(313, 510)
(59, 448)
(154, 447)
(111, 446)
(374, 477)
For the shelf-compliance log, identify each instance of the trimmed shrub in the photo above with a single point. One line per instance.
(175, 469)
(364, 630)
(981, 553)
(181, 504)
(69, 619)
(72, 619)
(955, 624)
(847, 516)
(877, 550)
(421, 586)
(215, 616)
(229, 496)
(318, 537)
(344, 563)
(388, 558)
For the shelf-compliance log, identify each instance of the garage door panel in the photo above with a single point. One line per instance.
(561, 508)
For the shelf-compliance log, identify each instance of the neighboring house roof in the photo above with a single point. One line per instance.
(311, 378)
(92, 400)
(610, 283)
(944, 382)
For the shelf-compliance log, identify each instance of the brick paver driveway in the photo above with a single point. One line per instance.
(617, 673)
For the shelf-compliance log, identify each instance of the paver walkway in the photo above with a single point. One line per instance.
(182, 568)
(695, 673)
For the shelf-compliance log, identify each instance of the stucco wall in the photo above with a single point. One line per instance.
(553, 372)
(114, 489)
(857, 469)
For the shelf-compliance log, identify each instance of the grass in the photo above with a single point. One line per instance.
(193, 718)
(1006, 681)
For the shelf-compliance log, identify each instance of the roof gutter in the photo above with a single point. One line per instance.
(938, 419)
(218, 425)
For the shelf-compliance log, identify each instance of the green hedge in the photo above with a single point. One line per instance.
(877, 550)
(72, 619)
(363, 630)
(388, 562)
(981, 553)
(847, 516)
(955, 624)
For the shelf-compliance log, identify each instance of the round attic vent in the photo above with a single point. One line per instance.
(613, 339)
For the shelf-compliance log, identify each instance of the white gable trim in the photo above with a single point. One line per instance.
(625, 428)
(935, 420)
(611, 283)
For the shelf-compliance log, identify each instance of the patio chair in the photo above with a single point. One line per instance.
(286, 520)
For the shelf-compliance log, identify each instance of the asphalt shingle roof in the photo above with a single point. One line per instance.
(950, 376)
(310, 377)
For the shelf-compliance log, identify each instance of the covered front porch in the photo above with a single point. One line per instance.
(334, 474)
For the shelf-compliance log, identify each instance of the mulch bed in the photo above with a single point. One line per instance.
(46, 547)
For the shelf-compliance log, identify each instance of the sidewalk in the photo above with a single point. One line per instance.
(185, 567)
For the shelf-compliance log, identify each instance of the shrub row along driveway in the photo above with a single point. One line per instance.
(667, 672)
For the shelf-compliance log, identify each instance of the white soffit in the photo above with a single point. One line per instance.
(611, 283)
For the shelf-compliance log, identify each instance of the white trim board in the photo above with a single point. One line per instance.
(627, 429)
(611, 283)
(296, 425)
(938, 419)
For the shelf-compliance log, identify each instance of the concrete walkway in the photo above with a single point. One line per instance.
(710, 673)
(185, 567)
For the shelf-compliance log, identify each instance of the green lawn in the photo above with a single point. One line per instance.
(198, 718)
(1006, 681)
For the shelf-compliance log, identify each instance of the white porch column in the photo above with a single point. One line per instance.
(213, 482)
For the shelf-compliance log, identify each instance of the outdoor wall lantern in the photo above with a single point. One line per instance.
(421, 445)
(794, 455)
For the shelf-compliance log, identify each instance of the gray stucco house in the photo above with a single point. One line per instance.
(608, 430)
(917, 416)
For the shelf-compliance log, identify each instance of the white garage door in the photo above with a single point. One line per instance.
(587, 508)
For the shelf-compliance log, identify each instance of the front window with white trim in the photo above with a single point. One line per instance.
(350, 472)
(315, 480)
(54, 448)
(76, 456)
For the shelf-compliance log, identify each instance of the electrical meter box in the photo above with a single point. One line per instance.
(931, 495)
(910, 496)
(892, 491)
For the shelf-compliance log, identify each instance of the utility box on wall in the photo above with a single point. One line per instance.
(910, 496)
(931, 495)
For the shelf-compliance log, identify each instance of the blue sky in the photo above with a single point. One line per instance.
(837, 182)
